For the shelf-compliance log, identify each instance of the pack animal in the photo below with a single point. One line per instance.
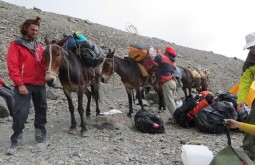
(74, 77)
(131, 77)
(190, 80)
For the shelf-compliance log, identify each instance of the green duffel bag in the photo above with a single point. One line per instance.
(231, 156)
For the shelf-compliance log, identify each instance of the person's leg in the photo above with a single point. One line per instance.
(40, 106)
(249, 140)
(169, 91)
(20, 114)
(8, 95)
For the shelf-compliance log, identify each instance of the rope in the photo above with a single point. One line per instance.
(65, 59)
(68, 72)
(131, 28)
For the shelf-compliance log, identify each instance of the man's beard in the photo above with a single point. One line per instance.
(32, 37)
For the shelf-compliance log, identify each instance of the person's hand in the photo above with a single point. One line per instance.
(240, 107)
(232, 123)
(23, 90)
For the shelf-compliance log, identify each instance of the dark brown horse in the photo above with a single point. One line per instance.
(189, 81)
(131, 77)
(74, 77)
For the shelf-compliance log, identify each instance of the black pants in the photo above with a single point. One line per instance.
(8, 95)
(21, 109)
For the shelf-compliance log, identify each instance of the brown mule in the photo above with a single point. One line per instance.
(74, 77)
(131, 77)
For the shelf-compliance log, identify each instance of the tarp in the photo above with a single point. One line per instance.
(251, 95)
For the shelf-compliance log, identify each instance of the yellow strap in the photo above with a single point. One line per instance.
(143, 70)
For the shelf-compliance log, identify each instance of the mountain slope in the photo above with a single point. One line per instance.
(224, 71)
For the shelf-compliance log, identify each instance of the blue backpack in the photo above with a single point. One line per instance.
(74, 40)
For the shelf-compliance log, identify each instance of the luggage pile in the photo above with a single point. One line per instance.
(207, 111)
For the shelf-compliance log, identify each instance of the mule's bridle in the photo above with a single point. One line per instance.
(49, 68)
(50, 63)
(111, 59)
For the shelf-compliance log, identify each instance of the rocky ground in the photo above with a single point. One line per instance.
(113, 139)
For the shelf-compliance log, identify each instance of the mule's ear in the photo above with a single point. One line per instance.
(62, 41)
(109, 51)
(47, 41)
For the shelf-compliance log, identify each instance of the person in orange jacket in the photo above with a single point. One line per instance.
(27, 69)
(7, 93)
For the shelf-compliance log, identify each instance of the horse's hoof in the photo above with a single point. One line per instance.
(129, 114)
(99, 114)
(88, 114)
(84, 134)
(72, 131)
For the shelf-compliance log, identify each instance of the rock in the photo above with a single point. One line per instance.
(3, 108)
(51, 95)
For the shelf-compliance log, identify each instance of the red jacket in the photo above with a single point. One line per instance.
(166, 67)
(24, 65)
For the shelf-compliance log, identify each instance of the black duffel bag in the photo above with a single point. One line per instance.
(211, 118)
(148, 122)
(90, 53)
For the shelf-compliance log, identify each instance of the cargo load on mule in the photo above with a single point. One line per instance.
(197, 78)
(184, 115)
(140, 53)
(90, 54)
(147, 65)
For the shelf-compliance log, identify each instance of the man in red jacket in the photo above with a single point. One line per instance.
(166, 67)
(26, 66)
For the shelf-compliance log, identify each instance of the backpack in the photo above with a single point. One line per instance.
(91, 54)
(205, 99)
(148, 122)
(71, 43)
(185, 114)
(211, 118)
(230, 155)
(180, 114)
(149, 64)
(226, 96)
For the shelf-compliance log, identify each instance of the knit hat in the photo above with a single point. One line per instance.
(170, 51)
(250, 40)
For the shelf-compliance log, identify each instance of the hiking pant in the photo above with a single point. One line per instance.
(8, 95)
(21, 109)
(169, 92)
(249, 140)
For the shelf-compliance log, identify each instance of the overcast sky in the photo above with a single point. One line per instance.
(212, 25)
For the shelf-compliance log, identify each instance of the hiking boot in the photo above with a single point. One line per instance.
(40, 137)
(12, 150)
(249, 153)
